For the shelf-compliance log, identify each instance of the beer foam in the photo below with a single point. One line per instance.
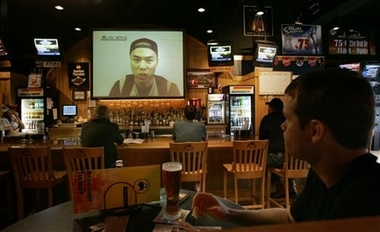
(175, 167)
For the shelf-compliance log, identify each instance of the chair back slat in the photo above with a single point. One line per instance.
(249, 155)
(193, 156)
(32, 165)
(82, 159)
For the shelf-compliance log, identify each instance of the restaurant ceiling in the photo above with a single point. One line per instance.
(21, 20)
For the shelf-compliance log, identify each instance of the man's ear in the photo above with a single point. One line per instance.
(317, 130)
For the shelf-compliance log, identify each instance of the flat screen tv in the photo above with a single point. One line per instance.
(69, 110)
(138, 63)
(371, 71)
(264, 54)
(48, 48)
(220, 54)
(351, 66)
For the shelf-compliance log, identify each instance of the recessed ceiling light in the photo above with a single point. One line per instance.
(78, 29)
(59, 7)
(201, 9)
(209, 31)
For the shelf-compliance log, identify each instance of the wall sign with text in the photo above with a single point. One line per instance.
(79, 75)
(301, 39)
(352, 42)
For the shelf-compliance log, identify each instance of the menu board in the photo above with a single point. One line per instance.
(274, 82)
(352, 42)
(301, 39)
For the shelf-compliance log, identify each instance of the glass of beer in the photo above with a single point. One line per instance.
(171, 175)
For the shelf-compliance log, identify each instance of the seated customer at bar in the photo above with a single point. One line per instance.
(101, 132)
(188, 130)
(329, 115)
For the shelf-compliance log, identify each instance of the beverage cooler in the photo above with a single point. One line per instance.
(215, 109)
(240, 108)
(32, 103)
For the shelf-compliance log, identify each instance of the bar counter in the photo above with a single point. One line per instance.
(151, 151)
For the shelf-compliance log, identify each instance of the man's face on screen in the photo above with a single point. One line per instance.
(143, 63)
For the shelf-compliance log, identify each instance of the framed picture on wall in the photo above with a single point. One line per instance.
(200, 78)
(79, 95)
(34, 80)
(257, 25)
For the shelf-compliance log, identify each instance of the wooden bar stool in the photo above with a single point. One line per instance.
(82, 159)
(32, 169)
(293, 168)
(249, 162)
(193, 156)
(6, 176)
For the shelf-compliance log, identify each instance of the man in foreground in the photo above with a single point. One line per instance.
(329, 115)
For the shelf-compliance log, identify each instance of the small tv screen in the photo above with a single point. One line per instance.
(3, 49)
(47, 47)
(220, 54)
(371, 71)
(132, 63)
(352, 66)
(69, 110)
(264, 54)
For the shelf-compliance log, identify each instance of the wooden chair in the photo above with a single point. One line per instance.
(193, 156)
(293, 168)
(32, 169)
(249, 162)
(6, 177)
(82, 159)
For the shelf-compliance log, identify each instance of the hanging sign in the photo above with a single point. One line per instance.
(301, 39)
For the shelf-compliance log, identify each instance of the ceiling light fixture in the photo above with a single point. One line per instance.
(260, 7)
(201, 9)
(209, 31)
(59, 7)
(78, 29)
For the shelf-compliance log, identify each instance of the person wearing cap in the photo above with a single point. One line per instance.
(270, 128)
(143, 82)
(11, 120)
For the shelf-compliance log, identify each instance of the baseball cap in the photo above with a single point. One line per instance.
(143, 43)
(275, 103)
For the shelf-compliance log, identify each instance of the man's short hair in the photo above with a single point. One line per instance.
(341, 99)
(190, 112)
(101, 111)
(143, 43)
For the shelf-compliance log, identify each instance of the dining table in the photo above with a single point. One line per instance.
(61, 218)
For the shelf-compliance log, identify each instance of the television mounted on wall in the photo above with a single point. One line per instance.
(48, 48)
(220, 53)
(264, 53)
(125, 59)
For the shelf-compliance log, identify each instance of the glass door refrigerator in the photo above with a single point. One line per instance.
(215, 109)
(32, 102)
(240, 107)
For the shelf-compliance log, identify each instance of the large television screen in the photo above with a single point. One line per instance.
(138, 63)
(264, 54)
(220, 54)
(48, 48)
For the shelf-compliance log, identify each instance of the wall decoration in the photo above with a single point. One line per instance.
(199, 78)
(34, 80)
(301, 39)
(78, 75)
(256, 25)
(79, 95)
(359, 42)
